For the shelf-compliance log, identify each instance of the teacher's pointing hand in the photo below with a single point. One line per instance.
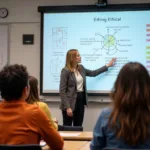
(111, 63)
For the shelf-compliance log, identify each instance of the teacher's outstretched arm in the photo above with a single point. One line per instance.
(93, 73)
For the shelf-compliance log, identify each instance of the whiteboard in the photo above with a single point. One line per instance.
(99, 35)
(3, 45)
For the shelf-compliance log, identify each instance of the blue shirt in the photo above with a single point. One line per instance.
(104, 137)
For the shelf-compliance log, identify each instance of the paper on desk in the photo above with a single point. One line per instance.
(42, 143)
(69, 134)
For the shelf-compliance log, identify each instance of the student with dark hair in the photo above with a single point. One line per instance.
(126, 124)
(22, 123)
(33, 98)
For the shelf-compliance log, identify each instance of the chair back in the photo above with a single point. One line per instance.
(123, 149)
(70, 128)
(21, 147)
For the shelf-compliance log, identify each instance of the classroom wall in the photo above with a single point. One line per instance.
(24, 19)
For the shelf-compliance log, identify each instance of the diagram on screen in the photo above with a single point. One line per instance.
(110, 44)
(56, 66)
(59, 38)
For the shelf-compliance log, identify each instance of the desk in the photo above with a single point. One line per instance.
(85, 146)
(83, 136)
(70, 145)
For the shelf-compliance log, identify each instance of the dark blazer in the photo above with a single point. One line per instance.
(68, 86)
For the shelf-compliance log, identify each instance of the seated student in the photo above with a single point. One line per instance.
(22, 123)
(33, 98)
(127, 123)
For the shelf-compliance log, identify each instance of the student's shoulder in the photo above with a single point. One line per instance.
(106, 112)
(34, 114)
(32, 110)
(31, 106)
(42, 104)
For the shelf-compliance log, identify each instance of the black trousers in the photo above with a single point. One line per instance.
(78, 113)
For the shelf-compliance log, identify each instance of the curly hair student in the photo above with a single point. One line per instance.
(20, 122)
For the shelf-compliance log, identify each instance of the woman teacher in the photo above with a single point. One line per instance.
(72, 89)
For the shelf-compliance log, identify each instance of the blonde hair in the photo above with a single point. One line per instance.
(70, 58)
(33, 95)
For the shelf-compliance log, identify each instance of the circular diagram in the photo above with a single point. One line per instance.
(109, 43)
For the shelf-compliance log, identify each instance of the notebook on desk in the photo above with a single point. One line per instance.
(69, 134)
(42, 143)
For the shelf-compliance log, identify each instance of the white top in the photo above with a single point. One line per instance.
(79, 80)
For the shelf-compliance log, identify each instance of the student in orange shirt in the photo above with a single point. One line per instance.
(22, 123)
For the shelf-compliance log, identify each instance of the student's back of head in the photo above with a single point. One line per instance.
(131, 103)
(22, 123)
(127, 123)
(34, 94)
(13, 80)
(33, 98)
